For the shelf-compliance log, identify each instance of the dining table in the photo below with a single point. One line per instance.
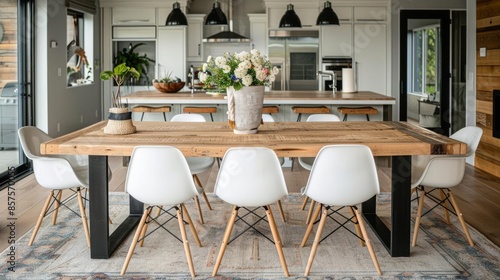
(397, 140)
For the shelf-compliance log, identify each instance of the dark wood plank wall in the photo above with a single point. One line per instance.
(487, 79)
(8, 45)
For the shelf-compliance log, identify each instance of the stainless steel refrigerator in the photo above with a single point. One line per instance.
(296, 54)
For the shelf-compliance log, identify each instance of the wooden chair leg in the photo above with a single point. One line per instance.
(314, 247)
(158, 212)
(446, 213)
(198, 182)
(185, 242)
(460, 218)
(277, 239)
(57, 204)
(282, 213)
(418, 217)
(134, 241)
(145, 227)
(356, 226)
(310, 226)
(368, 242)
(304, 203)
(200, 214)
(191, 225)
(309, 213)
(84, 217)
(40, 218)
(225, 239)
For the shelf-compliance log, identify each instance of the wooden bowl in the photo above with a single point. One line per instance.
(169, 87)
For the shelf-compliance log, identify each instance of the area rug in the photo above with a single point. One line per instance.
(60, 252)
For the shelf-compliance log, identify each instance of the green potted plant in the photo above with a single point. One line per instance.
(119, 119)
(134, 60)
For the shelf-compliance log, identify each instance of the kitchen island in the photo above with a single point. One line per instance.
(283, 99)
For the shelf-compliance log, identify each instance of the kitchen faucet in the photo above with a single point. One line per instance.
(330, 74)
(191, 73)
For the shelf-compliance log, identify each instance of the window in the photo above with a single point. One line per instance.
(425, 55)
(78, 67)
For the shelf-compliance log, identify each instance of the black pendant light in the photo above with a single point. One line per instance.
(176, 17)
(290, 18)
(327, 16)
(216, 16)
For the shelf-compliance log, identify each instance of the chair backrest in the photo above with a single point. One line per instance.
(442, 172)
(470, 135)
(343, 175)
(30, 138)
(50, 172)
(188, 118)
(267, 118)
(323, 118)
(251, 177)
(159, 175)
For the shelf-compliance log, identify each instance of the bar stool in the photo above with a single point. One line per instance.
(309, 110)
(201, 110)
(270, 110)
(151, 109)
(357, 111)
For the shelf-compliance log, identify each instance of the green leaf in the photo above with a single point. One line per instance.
(106, 75)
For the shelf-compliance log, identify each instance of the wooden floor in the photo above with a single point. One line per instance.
(478, 196)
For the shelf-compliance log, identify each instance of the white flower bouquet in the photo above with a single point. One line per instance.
(238, 70)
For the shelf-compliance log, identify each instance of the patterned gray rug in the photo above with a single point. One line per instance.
(60, 251)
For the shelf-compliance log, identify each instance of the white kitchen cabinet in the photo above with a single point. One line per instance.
(258, 32)
(336, 40)
(370, 57)
(171, 52)
(307, 15)
(134, 16)
(370, 14)
(195, 37)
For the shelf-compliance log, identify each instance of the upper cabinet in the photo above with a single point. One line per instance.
(307, 11)
(134, 16)
(195, 37)
(370, 14)
(336, 40)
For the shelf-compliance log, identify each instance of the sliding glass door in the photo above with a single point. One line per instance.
(16, 77)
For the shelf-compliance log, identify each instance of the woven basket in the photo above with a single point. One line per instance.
(119, 122)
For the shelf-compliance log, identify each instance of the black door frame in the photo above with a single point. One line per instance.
(445, 93)
(25, 85)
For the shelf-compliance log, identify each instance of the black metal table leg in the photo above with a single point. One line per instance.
(102, 245)
(397, 240)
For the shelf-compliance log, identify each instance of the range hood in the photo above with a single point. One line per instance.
(227, 36)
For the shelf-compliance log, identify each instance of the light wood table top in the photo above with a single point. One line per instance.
(399, 140)
(287, 139)
(273, 97)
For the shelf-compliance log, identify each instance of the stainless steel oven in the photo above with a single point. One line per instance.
(335, 65)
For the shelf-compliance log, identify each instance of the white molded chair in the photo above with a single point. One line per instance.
(341, 176)
(197, 165)
(307, 162)
(440, 174)
(250, 177)
(160, 175)
(56, 174)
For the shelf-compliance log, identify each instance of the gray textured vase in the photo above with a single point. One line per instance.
(245, 109)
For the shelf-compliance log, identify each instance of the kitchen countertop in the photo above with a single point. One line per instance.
(272, 97)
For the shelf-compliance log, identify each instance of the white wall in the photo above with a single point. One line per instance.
(396, 6)
(60, 109)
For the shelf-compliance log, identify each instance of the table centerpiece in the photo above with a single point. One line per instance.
(244, 76)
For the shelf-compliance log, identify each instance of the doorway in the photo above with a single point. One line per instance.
(425, 69)
(16, 80)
